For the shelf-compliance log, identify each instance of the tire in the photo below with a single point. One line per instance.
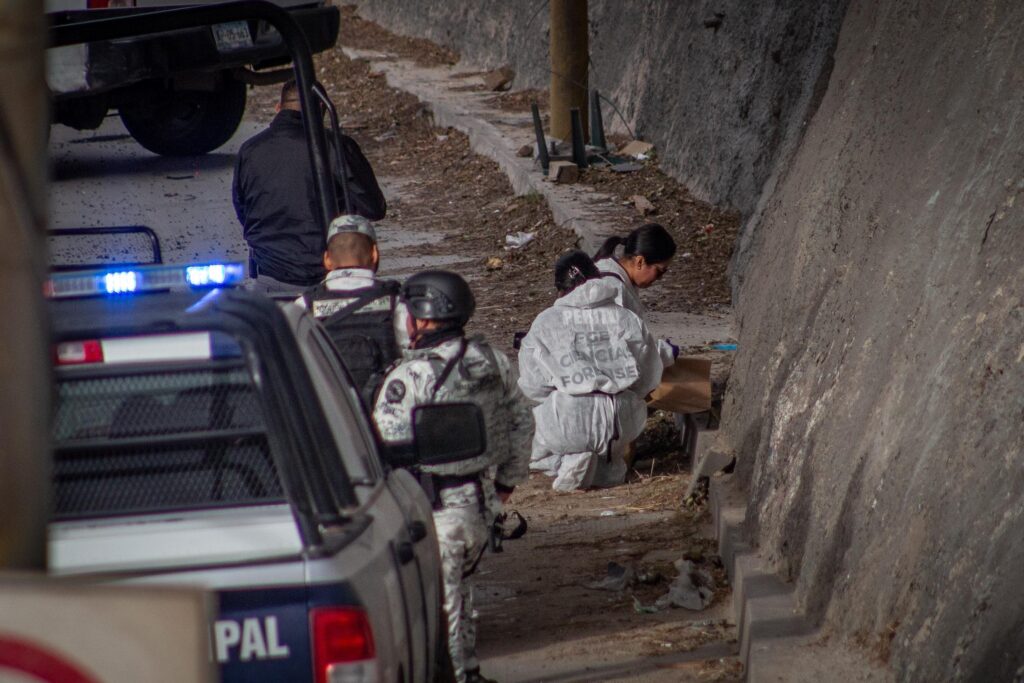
(185, 122)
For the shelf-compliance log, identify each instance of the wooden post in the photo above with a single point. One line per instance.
(570, 54)
(24, 343)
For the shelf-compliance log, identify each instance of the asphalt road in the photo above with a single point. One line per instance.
(104, 178)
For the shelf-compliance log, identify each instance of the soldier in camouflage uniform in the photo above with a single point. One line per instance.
(446, 367)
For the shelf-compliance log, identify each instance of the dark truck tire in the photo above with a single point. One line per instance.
(185, 122)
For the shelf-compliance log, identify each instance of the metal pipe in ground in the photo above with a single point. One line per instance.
(538, 131)
(570, 53)
(579, 147)
(24, 345)
(596, 121)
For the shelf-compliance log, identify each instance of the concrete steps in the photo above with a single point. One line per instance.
(778, 643)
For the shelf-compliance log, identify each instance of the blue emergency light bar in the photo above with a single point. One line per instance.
(143, 279)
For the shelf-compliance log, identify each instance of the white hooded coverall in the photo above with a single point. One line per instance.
(588, 363)
(628, 296)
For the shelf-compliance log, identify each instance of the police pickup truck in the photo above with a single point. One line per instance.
(209, 436)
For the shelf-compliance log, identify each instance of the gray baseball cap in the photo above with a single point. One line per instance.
(351, 223)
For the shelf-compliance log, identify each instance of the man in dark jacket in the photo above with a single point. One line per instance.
(275, 200)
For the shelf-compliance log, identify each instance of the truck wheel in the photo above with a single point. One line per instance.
(185, 122)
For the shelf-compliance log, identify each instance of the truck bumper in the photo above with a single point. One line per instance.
(108, 65)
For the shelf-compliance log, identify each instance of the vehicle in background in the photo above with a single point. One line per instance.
(211, 437)
(181, 92)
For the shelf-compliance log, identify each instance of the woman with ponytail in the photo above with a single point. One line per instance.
(588, 363)
(646, 254)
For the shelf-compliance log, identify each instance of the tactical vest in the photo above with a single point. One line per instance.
(473, 375)
(360, 323)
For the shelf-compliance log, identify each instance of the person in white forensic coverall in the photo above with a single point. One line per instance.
(443, 366)
(588, 363)
(647, 253)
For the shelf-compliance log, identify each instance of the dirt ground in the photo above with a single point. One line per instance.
(537, 602)
(466, 200)
(462, 206)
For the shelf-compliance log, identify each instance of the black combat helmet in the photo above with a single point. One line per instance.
(439, 295)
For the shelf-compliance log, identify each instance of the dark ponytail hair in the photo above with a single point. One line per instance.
(572, 269)
(651, 241)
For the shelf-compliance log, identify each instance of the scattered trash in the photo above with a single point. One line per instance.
(643, 205)
(609, 513)
(724, 347)
(386, 135)
(641, 608)
(499, 79)
(617, 578)
(519, 240)
(634, 148)
(687, 255)
(693, 589)
(441, 138)
(708, 229)
(649, 578)
(563, 172)
(494, 263)
(525, 151)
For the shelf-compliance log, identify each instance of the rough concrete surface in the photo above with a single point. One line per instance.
(721, 87)
(497, 134)
(876, 405)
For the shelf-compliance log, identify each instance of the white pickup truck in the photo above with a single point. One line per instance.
(179, 93)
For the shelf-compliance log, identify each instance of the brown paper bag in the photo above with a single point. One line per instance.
(685, 387)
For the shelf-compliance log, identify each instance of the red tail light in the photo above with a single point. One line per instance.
(78, 353)
(343, 647)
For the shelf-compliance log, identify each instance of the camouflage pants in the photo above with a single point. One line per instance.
(462, 536)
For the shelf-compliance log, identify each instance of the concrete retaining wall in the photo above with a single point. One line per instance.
(877, 405)
(723, 104)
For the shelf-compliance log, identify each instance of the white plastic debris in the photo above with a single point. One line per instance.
(693, 589)
(519, 240)
(617, 578)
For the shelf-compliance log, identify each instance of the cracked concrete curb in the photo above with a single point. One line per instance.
(777, 641)
(498, 136)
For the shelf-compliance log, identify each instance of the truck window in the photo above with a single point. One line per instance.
(136, 438)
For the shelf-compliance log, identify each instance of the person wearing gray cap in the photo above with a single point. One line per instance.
(361, 312)
(272, 192)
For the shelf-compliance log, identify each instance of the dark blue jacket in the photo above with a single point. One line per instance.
(275, 200)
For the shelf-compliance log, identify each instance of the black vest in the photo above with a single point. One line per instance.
(360, 323)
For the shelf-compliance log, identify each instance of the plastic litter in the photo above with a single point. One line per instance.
(519, 240)
(641, 608)
(724, 347)
(617, 578)
(693, 589)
